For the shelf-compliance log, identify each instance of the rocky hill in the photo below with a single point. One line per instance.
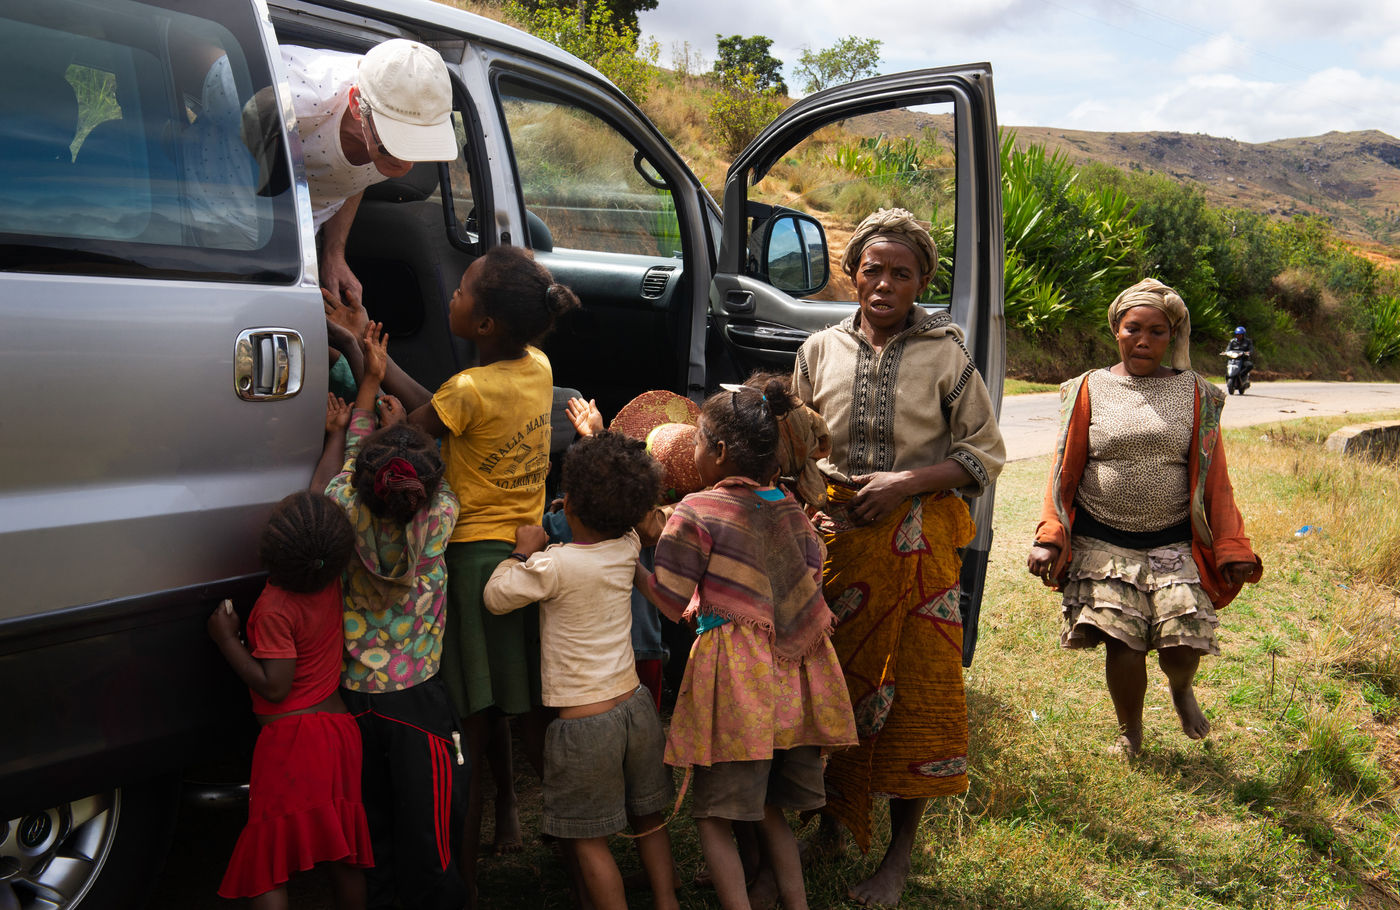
(1353, 179)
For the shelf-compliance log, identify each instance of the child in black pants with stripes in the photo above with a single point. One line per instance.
(389, 482)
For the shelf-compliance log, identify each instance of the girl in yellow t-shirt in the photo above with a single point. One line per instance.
(493, 419)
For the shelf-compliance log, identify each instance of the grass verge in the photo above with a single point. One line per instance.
(1024, 386)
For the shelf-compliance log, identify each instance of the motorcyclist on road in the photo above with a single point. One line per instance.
(1241, 342)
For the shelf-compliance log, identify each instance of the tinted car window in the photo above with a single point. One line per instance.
(585, 180)
(139, 140)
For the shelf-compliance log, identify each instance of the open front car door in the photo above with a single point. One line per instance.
(924, 140)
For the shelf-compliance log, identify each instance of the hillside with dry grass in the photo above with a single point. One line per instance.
(1352, 179)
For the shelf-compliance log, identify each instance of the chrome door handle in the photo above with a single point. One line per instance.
(268, 364)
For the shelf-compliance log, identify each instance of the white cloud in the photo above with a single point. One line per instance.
(1251, 111)
(1217, 54)
(1385, 55)
(1306, 20)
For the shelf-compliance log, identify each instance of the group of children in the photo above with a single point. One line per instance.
(398, 623)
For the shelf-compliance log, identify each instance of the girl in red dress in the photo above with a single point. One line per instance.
(304, 794)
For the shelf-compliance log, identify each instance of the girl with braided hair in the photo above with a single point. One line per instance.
(304, 793)
(763, 695)
(390, 484)
(494, 422)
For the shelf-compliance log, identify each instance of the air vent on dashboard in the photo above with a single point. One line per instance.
(655, 280)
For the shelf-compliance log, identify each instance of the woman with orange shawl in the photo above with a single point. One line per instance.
(913, 431)
(1139, 528)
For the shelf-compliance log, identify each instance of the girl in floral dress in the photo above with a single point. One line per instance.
(763, 693)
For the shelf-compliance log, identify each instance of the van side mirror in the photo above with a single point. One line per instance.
(792, 253)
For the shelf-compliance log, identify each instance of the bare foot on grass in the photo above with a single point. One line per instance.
(1193, 721)
(885, 887)
(1128, 744)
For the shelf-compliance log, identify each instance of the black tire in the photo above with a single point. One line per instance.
(108, 849)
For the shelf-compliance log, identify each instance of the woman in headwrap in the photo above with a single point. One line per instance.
(1139, 528)
(913, 432)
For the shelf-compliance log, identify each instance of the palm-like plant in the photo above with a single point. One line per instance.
(1069, 250)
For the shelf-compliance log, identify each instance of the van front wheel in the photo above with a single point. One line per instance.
(99, 851)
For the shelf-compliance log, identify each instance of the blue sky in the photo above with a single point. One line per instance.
(1253, 70)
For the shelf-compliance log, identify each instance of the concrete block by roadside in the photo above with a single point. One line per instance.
(1378, 439)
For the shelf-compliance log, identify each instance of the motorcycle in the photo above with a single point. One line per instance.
(1237, 370)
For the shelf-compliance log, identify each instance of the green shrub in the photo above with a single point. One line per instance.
(1299, 292)
(1069, 248)
(740, 109)
(1383, 340)
(611, 46)
(879, 158)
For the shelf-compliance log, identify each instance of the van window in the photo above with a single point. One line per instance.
(905, 158)
(140, 140)
(587, 182)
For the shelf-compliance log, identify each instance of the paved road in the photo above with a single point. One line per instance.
(1029, 421)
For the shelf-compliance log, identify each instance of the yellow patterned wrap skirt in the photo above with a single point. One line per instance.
(894, 587)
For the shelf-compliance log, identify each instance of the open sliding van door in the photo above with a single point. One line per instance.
(924, 140)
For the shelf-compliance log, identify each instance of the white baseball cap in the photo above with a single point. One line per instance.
(409, 95)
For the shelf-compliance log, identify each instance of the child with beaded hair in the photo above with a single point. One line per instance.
(603, 764)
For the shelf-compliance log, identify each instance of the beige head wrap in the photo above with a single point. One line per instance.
(896, 226)
(1153, 293)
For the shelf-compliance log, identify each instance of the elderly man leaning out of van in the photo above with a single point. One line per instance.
(363, 119)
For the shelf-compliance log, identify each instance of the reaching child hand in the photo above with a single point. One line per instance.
(375, 345)
(223, 622)
(348, 313)
(530, 539)
(337, 413)
(390, 411)
(339, 337)
(585, 416)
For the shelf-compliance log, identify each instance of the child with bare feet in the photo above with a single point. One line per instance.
(603, 755)
(1139, 528)
(763, 693)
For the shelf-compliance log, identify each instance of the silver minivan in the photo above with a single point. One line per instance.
(162, 338)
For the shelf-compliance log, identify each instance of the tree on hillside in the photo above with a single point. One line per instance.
(847, 60)
(738, 55)
(621, 12)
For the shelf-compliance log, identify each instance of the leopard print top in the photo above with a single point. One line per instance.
(1139, 442)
